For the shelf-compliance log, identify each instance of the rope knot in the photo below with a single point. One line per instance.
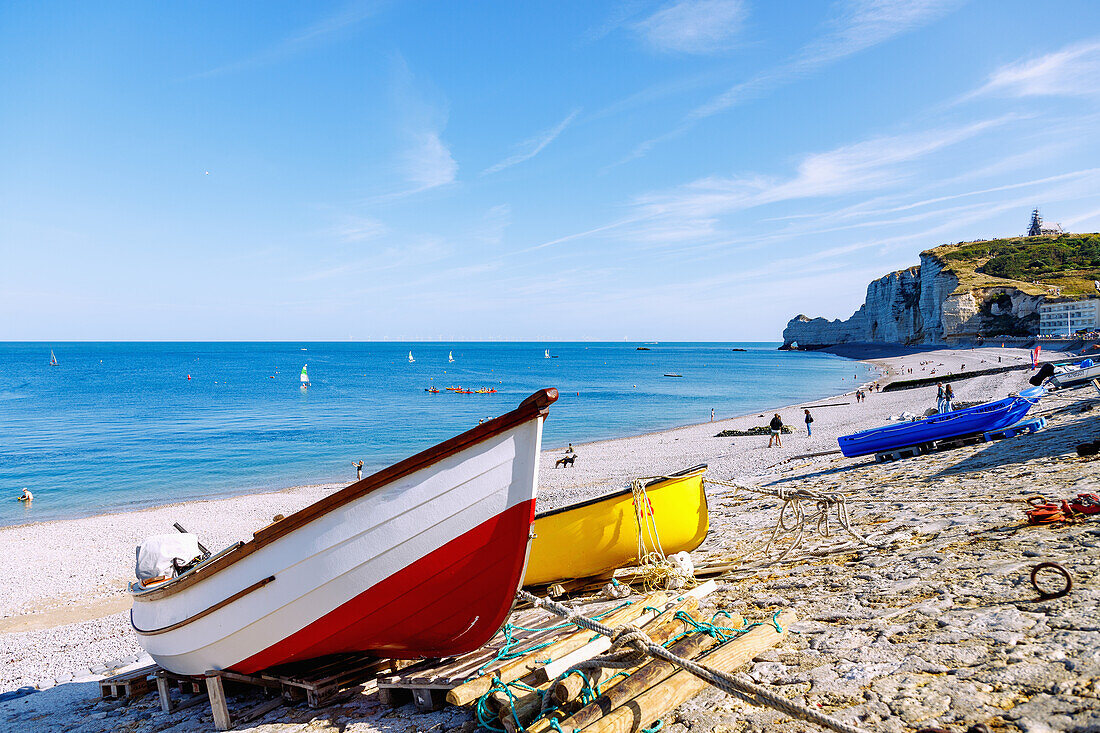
(629, 636)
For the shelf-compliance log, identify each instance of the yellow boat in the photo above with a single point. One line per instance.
(601, 534)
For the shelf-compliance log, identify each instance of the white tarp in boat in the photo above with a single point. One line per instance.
(905, 416)
(155, 555)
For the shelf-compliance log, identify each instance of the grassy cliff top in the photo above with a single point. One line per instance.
(1068, 261)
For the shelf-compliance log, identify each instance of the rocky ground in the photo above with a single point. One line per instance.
(939, 626)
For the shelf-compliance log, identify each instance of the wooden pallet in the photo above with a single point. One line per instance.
(912, 451)
(187, 689)
(319, 682)
(426, 683)
(896, 455)
(960, 442)
(135, 683)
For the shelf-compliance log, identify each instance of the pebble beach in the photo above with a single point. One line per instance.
(935, 625)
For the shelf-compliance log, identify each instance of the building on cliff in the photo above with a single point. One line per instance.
(923, 305)
(966, 291)
(1039, 228)
(1066, 319)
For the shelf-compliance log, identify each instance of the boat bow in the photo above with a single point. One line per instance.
(420, 559)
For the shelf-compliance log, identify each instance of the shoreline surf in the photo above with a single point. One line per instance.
(99, 438)
(328, 486)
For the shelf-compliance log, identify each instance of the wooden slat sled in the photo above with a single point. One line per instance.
(319, 682)
(427, 683)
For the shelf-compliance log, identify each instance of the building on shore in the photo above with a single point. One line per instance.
(1068, 317)
(1040, 228)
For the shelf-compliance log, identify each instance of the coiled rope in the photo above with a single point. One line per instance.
(829, 509)
(642, 645)
(655, 569)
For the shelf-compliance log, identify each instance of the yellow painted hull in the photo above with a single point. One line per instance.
(598, 536)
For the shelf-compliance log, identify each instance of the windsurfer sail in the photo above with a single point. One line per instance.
(450, 356)
(546, 354)
(53, 359)
(305, 377)
(411, 359)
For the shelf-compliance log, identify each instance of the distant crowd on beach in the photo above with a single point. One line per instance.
(776, 425)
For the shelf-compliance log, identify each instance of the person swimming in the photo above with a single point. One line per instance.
(26, 496)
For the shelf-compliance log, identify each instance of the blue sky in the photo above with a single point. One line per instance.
(695, 170)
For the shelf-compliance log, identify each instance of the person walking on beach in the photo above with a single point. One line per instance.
(777, 429)
(809, 422)
(948, 398)
(940, 407)
(358, 470)
(712, 414)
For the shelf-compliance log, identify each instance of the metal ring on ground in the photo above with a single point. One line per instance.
(1044, 595)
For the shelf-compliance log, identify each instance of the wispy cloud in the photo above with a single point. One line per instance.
(1072, 71)
(581, 235)
(410, 252)
(427, 162)
(532, 147)
(866, 165)
(1075, 219)
(856, 25)
(950, 223)
(694, 26)
(423, 160)
(696, 214)
(693, 210)
(495, 222)
(358, 229)
(312, 35)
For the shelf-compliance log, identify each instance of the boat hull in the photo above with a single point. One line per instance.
(978, 419)
(600, 535)
(1074, 377)
(426, 564)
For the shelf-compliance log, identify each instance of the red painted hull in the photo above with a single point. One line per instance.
(425, 608)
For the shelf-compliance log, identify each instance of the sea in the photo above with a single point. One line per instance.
(119, 426)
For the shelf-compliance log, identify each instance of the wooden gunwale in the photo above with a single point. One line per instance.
(537, 405)
(205, 612)
(655, 483)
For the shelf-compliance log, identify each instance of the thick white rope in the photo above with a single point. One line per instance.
(821, 519)
(646, 523)
(655, 569)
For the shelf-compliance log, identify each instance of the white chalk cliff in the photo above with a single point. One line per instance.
(920, 305)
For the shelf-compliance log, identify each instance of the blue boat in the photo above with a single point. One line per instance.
(977, 419)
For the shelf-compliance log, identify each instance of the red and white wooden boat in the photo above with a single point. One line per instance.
(422, 559)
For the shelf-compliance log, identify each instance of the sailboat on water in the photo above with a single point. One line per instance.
(53, 359)
(411, 359)
(450, 357)
(304, 377)
(546, 354)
